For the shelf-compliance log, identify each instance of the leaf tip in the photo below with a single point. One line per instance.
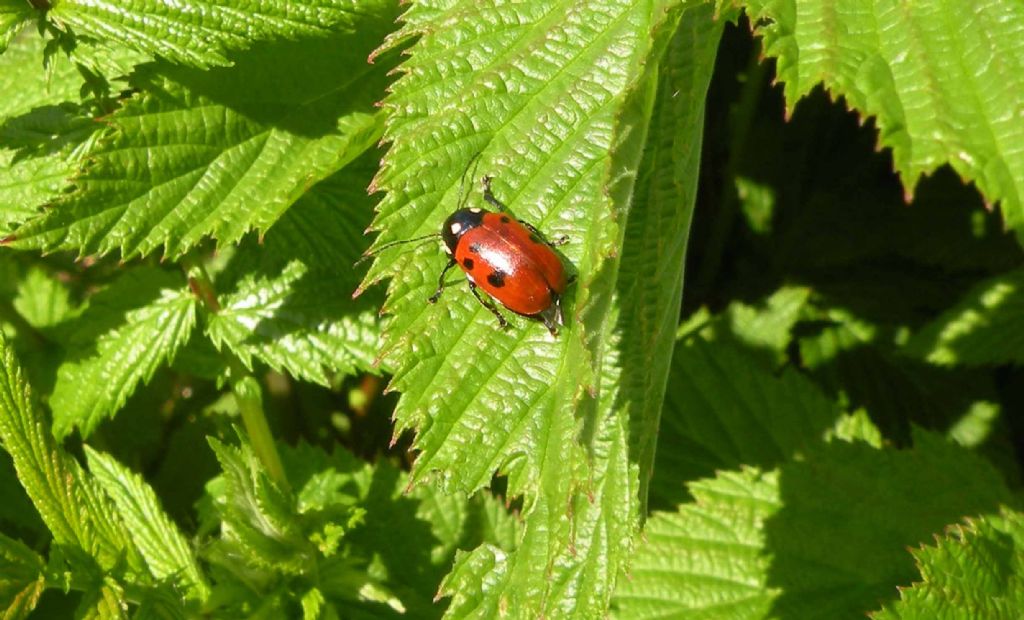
(8, 239)
(408, 487)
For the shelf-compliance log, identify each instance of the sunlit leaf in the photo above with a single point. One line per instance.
(221, 152)
(202, 32)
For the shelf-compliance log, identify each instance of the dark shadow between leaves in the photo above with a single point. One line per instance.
(850, 512)
(707, 427)
(897, 390)
(402, 541)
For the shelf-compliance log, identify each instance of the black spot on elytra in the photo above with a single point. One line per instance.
(534, 238)
(505, 220)
(474, 248)
(497, 278)
(468, 263)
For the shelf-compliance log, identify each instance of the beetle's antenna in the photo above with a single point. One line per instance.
(463, 195)
(375, 251)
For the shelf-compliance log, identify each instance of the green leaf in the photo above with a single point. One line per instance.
(22, 578)
(221, 152)
(201, 33)
(105, 603)
(13, 16)
(43, 300)
(650, 280)
(549, 161)
(131, 329)
(985, 328)
(433, 524)
(157, 538)
(288, 300)
(823, 537)
(36, 173)
(729, 407)
(258, 517)
(975, 571)
(37, 131)
(840, 542)
(26, 85)
(707, 557)
(939, 77)
(579, 526)
(769, 324)
(72, 506)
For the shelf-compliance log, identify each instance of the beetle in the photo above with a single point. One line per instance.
(508, 259)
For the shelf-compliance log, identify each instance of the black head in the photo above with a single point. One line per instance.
(458, 223)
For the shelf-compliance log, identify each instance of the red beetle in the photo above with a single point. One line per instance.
(509, 259)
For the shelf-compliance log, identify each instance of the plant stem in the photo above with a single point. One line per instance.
(247, 390)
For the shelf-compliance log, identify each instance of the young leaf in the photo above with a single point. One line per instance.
(221, 152)
(42, 299)
(201, 32)
(13, 16)
(73, 508)
(136, 326)
(288, 300)
(157, 538)
(939, 76)
(22, 578)
(433, 524)
(258, 517)
(975, 571)
(985, 328)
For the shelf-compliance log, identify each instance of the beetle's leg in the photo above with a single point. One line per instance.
(489, 195)
(489, 305)
(552, 315)
(530, 227)
(440, 282)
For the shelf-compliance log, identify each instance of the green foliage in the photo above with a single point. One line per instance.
(219, 152)
(984, 328)
(975, 571)
(937, 77)
(135, 325)
(13, 15)
(822, 537)
(580, 123)
(201, 33)
(228, 419)
(21, 578)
